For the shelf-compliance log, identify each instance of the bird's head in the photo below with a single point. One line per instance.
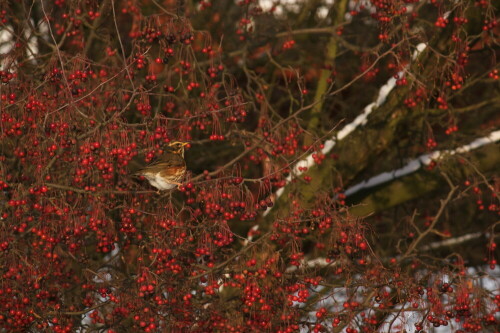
(177, 147)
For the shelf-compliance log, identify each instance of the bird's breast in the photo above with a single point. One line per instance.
(156, 180)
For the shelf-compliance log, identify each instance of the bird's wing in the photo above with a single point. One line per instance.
(167, 159)
(172, 171)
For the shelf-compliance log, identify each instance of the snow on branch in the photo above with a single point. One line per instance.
(420, 161)
(451, 241)
(360, 120)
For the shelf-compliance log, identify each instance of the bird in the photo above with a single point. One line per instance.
(167, 172)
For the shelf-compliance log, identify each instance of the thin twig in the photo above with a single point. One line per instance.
(440, 212)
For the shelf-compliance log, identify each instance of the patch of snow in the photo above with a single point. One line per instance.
(417, 163)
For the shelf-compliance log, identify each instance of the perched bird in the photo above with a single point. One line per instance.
(167, 172)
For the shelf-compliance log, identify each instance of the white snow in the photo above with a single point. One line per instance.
(417, 163)
(360, 120)
(6, 42)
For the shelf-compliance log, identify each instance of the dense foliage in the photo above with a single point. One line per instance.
(252, 241)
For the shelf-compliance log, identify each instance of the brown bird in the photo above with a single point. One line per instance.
(167, 172)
